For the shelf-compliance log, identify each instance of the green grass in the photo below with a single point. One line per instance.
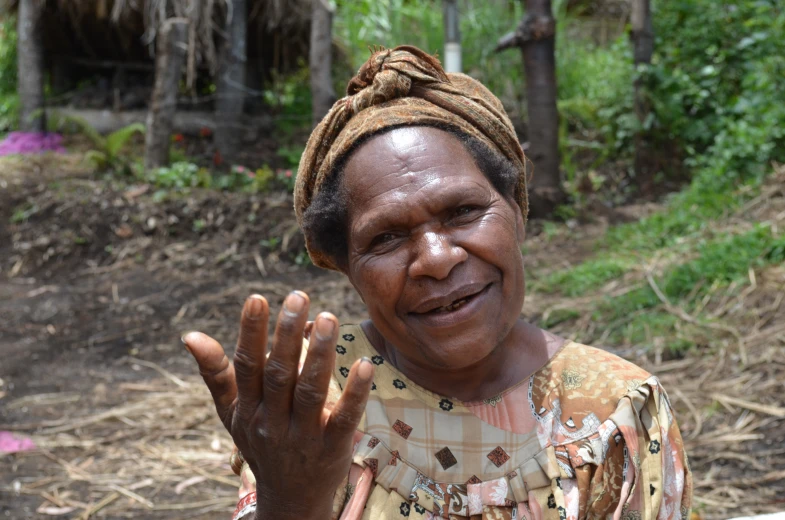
(700, 260)
(585, 277)
(720, 261)
(686, 213)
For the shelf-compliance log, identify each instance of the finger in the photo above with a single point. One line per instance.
(349, 409)
(307, 330)
(280, 371)
(250, 354)
(217, 372)
(310, 393)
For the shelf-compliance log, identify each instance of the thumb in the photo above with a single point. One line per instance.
(217, 372)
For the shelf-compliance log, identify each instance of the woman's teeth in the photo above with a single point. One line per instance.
(453, 306)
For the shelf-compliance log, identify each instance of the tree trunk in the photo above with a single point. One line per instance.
(642, 35)
(170, 58)
(452, 37)
(230, 86)
(30, 55)
(538, 44)
(320, 58)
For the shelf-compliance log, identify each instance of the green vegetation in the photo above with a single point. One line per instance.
(716, 85)
(107, 151)
(183, 175)
(706, 263)
(719, 106)
(590, 275)
(9, 99)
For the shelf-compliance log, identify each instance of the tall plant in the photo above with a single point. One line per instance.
(9, 99)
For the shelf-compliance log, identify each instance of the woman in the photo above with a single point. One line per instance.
(445, 403)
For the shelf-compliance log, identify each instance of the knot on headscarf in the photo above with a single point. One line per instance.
(403, 86)
(389, 74)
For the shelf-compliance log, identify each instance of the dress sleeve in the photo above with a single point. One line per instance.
(642, 471)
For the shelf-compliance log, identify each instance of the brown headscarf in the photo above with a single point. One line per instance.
(403, 86)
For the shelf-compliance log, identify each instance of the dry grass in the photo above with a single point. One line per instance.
(162, 438)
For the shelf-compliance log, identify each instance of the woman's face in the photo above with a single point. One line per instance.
(434, 249)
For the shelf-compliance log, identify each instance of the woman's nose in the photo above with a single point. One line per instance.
(435, 256)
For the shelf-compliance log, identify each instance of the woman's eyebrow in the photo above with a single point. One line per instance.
(376, 220)
(383, 218)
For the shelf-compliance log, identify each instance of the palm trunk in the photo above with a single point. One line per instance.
(320, 60)
(643, 48)
(539, 60)
(170, 58)
(230, 86)
(31, 66)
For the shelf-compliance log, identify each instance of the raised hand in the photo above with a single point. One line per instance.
(298, 451)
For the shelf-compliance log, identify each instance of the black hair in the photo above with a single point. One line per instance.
(325, 222)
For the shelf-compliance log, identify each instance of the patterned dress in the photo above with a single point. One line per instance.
(589, 435)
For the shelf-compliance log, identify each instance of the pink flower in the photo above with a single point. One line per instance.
(288, 173)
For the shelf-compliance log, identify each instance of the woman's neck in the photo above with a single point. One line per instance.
(524, 350)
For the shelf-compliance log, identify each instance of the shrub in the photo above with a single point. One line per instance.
(716, 86)
(9, 99)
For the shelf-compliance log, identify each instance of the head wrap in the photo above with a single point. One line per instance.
(397, 87)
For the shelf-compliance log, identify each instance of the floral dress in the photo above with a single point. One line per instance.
(589, 435)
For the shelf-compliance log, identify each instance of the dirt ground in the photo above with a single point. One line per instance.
(98, 281)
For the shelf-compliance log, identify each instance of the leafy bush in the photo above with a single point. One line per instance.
(184, 175)
(9, 99)
(290, 98)
(716, 86)
(106, 154)
(179, 175)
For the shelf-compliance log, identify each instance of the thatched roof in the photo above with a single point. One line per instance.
(125, 30)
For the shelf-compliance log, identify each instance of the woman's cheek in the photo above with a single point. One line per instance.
(382, 276)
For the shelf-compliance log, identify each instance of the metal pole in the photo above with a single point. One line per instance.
(452, 37)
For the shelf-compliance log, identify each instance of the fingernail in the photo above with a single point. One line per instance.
(324, 328)
(293, 304)
(185, 343)
(253, 306)
(365, 370)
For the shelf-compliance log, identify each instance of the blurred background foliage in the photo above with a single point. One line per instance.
(9, 100)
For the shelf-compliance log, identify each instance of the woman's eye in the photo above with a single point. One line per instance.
(464, 210)
(383, 238)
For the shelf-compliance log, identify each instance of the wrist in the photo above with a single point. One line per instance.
(268, 507)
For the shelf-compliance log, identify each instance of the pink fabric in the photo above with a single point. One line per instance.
(506, 412)
(10, 443)
(23, 143)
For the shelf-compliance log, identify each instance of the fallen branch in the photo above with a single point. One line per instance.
(774, 411)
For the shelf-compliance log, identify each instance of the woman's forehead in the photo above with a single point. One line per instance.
(408, 168)
(403, 155)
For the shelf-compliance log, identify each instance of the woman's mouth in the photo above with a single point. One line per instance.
(458, 311)
(454, 306)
